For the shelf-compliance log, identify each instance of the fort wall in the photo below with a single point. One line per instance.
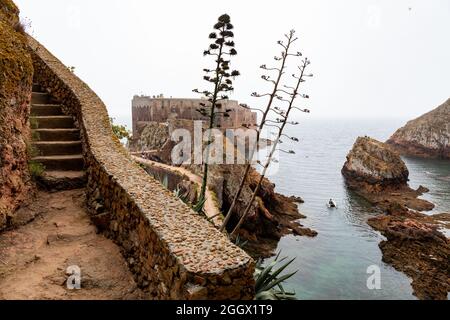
(146, 109)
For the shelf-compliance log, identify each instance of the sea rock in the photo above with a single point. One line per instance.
(377, 173)
(374, 164)
(427, 136)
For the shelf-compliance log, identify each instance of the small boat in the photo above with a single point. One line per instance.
(331, 204)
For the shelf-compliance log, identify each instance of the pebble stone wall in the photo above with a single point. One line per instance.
(173, 252)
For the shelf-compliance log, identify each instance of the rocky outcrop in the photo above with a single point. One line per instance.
(427, 136)
(372, 163)
(153, 137)
(416, 247)
(377, 173)
(16, 74)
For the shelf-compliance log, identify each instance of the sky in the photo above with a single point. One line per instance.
(369, 58)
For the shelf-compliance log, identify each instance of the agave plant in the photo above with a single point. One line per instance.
(199, 206)
(269, 282)
(179, 194)
(240, 243)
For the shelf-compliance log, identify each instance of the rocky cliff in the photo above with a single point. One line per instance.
(153, 137)
(376, 172)
(16, 74)
(427, 136)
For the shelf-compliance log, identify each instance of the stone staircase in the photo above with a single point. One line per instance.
(57, 144)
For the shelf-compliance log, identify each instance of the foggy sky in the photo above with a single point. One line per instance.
(369, 58)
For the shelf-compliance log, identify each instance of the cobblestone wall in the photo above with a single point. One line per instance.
(173, 252)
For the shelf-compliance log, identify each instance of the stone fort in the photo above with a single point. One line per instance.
(147, 109)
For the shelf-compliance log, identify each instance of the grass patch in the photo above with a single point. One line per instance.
(34, 124)
(36, 169)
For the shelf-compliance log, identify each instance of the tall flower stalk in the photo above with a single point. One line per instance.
(280, 123)
(220, 77)
(279, 72)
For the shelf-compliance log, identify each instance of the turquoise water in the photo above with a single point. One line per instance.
(334, 264)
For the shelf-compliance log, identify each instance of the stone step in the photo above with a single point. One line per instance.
(46, 110)
(53, 148)
(56, 134)
(62, 163)
(52, 122)
(40, 98)
(62, 180)
(37, 87)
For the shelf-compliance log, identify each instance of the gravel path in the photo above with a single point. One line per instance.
(34, 258)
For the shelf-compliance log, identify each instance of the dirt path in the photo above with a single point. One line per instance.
(34, 258)
(210, 207)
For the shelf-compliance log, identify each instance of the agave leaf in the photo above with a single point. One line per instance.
(199, 206)
(277, 272)
(263, 276)
(277, 281)
(278, 255)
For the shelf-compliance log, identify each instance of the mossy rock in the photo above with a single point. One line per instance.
(9, 13)
(15, 60)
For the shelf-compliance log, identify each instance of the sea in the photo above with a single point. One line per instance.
(338, 263)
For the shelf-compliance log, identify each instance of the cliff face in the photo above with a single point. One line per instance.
(153, 137)
(16, 74)
(427, 136)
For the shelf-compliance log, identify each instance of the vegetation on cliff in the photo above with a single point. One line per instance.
(16, 74)
(9, 13)
(120, 131)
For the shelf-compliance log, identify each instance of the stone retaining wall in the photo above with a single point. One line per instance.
(173, 252)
